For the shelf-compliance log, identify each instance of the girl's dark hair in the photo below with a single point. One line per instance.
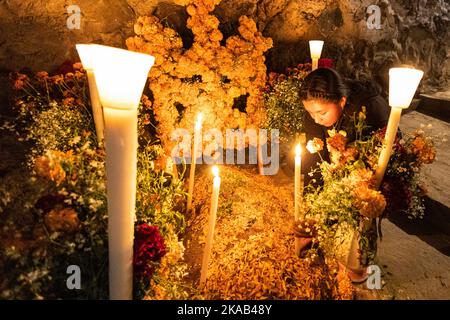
(325, 84)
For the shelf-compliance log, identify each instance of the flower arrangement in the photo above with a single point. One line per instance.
(53, 205)
(221, 78)
(348, 199)
(402, 186)
(282, 102)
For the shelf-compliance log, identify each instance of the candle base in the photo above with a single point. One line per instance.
(121, 167)
(385, 155)
(315, 64)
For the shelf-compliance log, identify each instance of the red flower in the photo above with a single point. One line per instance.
(326, 63)
(148, 247)
(397, 193)
(399, 149)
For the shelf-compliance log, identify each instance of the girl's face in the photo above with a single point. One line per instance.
(323, 112)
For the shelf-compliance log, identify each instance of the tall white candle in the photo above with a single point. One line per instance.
(315, 47)
(120, 77)
(298, 192)
(403, 83)
(298, 186)
(86, 53)
(211, 225)
(121, 159)
(196, 145)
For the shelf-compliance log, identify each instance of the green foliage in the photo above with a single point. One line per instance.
(284, 108)
(161, 197)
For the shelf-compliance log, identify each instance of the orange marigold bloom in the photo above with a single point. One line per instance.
(42, 75)
(423, 149)
(370, 203)
(19, 84)
(49, 166)
(69, 101)
(208, 76)
(58, 79)
(337, 142)
(78, 66)
(62, 220)
(146, 101)
(348, 154)
(46, 168)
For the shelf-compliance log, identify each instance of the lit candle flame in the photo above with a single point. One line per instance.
(215, 171)
(298, 150)
(198, 125)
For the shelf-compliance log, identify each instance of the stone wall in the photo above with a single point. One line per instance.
(34, 33)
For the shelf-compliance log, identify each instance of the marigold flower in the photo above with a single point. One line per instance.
(69, 101)
(18, 84)
(42, 75)
(348, 155)
(146, 101)
(337, 141)
(49, 166)
(423, 149)
(370, 203)
(58, 79)
(78, 66)
(62, 220)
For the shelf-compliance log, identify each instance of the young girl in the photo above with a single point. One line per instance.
(332, 103)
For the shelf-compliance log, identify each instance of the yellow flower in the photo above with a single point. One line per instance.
(362, 114)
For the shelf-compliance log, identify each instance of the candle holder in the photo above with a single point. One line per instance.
(315, 47)
(120, 77)
(403, 83)
(87, 54)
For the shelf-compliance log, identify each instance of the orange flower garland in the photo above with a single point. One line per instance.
(208, 76)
